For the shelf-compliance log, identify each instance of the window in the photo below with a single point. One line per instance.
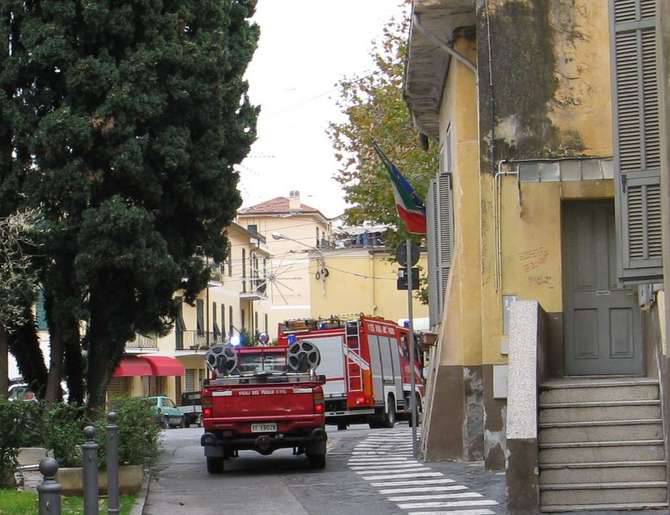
(215, 325)
(230, 263)
(230, 320)
(242, 324)
(317, 236)
(200, 316)
(256, 321)
(223, 318)
(266, 322)
(244, 263)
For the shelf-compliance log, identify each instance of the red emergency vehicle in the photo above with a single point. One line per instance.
(366, 362)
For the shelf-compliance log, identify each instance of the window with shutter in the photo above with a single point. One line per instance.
(432, 219)
(446, 234)
(637, 139)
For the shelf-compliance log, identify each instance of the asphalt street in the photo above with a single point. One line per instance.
(369, 472)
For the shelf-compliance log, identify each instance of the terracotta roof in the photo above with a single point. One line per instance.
(276, 205)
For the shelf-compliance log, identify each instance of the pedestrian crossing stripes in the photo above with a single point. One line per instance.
(385, 460)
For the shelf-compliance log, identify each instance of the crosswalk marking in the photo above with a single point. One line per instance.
(419, 489)
(447, 504)
(434, 497)
(387, 462)
(382, 471)
(454, 512)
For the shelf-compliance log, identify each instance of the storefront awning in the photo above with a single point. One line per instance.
(133, 366)
(165, 366)
(147, 365)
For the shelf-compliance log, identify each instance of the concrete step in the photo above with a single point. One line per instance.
(606, 410)
(605, 508)
(603, 390)
(601, 431)
(586, 452)
(604, 493)
(602, 472)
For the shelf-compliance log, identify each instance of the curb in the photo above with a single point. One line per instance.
(142, 496)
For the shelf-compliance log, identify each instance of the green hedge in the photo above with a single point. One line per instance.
(59, 427)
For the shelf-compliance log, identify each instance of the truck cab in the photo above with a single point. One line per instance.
(257, 402)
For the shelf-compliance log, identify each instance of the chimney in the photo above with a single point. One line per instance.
(294, 200)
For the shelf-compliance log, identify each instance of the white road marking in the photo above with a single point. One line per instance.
(447, 504)
(403, 476)
(457, 495)
(453, 512)
(440, 481)
(368, 466)
(419, 489)
(378, 471)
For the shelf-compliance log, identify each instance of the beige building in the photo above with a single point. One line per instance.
(233, 306)
(360, 280)
(292, 229)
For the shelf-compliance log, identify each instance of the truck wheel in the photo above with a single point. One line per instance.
(183, 422)
(389, 414)
(165, 423)
(214, 465)
(316, 454)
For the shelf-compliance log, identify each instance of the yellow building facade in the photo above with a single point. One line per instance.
(360, 280)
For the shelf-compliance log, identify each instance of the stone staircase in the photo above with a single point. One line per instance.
(601, 445)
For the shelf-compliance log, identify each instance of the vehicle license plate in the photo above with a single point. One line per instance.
(264, 428)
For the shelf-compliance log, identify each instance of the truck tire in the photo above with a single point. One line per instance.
(390, 413)
(316, 454)
(214, 465)
(183, 422)
(165, 423)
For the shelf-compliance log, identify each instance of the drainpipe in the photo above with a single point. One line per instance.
(497, 198)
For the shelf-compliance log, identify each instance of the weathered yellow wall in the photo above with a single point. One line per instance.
(461, 333)
(361, 281)
(583, 99)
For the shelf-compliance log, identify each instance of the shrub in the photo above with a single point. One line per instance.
(138, 433)
(64, 432)
(20, 426)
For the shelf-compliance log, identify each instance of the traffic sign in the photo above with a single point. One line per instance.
(401, 254)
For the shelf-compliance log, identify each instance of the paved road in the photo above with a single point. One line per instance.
(369, 472)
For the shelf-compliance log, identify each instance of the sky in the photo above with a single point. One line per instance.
(305, 47)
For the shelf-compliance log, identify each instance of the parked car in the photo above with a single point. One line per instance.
(167, 414)
(191, 408)
(20, 392)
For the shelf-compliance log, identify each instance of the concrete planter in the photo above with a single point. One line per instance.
(130, 479)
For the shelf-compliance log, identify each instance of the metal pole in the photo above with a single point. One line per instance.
(49, 490)
(410, 316)
(112, 465)
(90, 459)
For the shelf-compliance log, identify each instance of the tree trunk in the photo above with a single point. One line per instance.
(74, 367)
(53, 393)
(4, 364)
(25, 346)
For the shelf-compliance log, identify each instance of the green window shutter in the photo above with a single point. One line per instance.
(446, 234)
(637, 139)
(40, 312)
(432, 238)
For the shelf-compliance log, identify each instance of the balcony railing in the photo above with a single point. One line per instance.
(143, 342)
(195, 340)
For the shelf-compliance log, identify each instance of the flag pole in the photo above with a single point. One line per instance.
(410, 316)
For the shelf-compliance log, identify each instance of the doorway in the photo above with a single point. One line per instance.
(603, 331)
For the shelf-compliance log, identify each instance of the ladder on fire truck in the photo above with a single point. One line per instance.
(354, 368)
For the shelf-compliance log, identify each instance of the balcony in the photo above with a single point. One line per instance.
(142, 342)
(194, 340)
(254, 289)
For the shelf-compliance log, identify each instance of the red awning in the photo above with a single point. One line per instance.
(164, 365)
(133, 366)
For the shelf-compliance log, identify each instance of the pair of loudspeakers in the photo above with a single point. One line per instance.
(302, 356)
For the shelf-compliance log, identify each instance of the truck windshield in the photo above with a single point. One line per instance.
(261, 363)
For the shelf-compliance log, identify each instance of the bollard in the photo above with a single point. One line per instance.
(112, 465)
(90, 459)
(49, 489)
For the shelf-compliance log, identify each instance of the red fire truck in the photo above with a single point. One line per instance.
(366, 362)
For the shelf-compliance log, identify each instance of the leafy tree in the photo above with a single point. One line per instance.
(375, 110)
(140, 113)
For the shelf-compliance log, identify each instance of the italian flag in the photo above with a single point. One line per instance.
(409, 205)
